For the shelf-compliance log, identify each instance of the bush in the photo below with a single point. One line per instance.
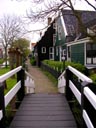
(60, 65)
(93, 77)
(33, 61)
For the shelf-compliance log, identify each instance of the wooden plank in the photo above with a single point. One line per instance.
(43, 123)
(42, 127)
(44, 108)
(9, 96)
(40, 113)
(44, 118)
(45, 111)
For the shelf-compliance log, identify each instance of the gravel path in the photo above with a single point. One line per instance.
(42, 82)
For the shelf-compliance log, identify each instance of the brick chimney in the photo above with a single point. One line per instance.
(49, 20)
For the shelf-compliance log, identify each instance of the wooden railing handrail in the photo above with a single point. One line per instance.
(81, 95)
(28, 74)
(80, 75)
(10, 73)
(17, 89)
(63, 73)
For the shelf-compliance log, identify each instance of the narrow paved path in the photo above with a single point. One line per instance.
(42, 83)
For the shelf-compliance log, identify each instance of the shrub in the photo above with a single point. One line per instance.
(1, 61)
(60, 65)
(33, 61)
(93, 77)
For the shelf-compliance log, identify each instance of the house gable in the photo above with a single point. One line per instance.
(72, 25)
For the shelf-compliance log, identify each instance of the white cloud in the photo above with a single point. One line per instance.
(13, 7)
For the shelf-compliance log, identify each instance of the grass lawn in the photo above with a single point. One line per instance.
(10, 81)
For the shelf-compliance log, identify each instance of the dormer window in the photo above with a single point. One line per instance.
(71, 29)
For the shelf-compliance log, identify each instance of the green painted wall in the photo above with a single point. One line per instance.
(62, 41)
(77, 53)
(59, 42)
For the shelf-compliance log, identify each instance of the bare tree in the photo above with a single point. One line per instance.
(42, 9)
(51, 8)
(10, 29)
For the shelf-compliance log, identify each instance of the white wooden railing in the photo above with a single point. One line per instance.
(85, 92)
(29, 83)
(61, 83)
(9, 96)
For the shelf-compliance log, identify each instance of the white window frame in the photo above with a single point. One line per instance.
(57, 50)
(54, 39)
(54, 25)
(90, 60)
(64, 52)
(43, 49)
(51, 53)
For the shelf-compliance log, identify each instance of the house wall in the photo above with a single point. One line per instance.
(60, 40)
(77, 53)
(47, 42)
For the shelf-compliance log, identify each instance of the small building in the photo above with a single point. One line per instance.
(44, 48)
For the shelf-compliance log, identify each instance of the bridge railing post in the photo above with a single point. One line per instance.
(68, 92)
(21, 77)
(86, 105)
(2, 105)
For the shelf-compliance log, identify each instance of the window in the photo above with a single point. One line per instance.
(71, 29)
(69, 51)
(54, 25)
(51, 53)
(64, 52)
(43, 49)
(54, 39)
(59, 32)
(91, 53)
(57, 51)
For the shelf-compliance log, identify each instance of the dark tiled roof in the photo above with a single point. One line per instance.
(71, 21)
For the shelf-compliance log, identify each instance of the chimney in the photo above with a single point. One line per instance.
(40, 34)
(78, 26)
(49, 20)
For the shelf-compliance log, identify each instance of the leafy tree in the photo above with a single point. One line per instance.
(23, 45)
(10, 29)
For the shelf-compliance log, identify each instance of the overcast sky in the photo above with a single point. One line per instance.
(19, 8)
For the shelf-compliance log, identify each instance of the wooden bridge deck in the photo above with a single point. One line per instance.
(44, 111)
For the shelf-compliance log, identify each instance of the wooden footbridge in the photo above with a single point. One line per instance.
(50, 110)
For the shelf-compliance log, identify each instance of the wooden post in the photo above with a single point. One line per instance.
(20, 77)
(2, 105)
(11, 53)
(68, 92)
(17, 57)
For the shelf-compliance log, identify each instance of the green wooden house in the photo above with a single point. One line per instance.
(70, 42)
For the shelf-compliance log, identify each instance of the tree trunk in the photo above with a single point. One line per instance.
(6, 57)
